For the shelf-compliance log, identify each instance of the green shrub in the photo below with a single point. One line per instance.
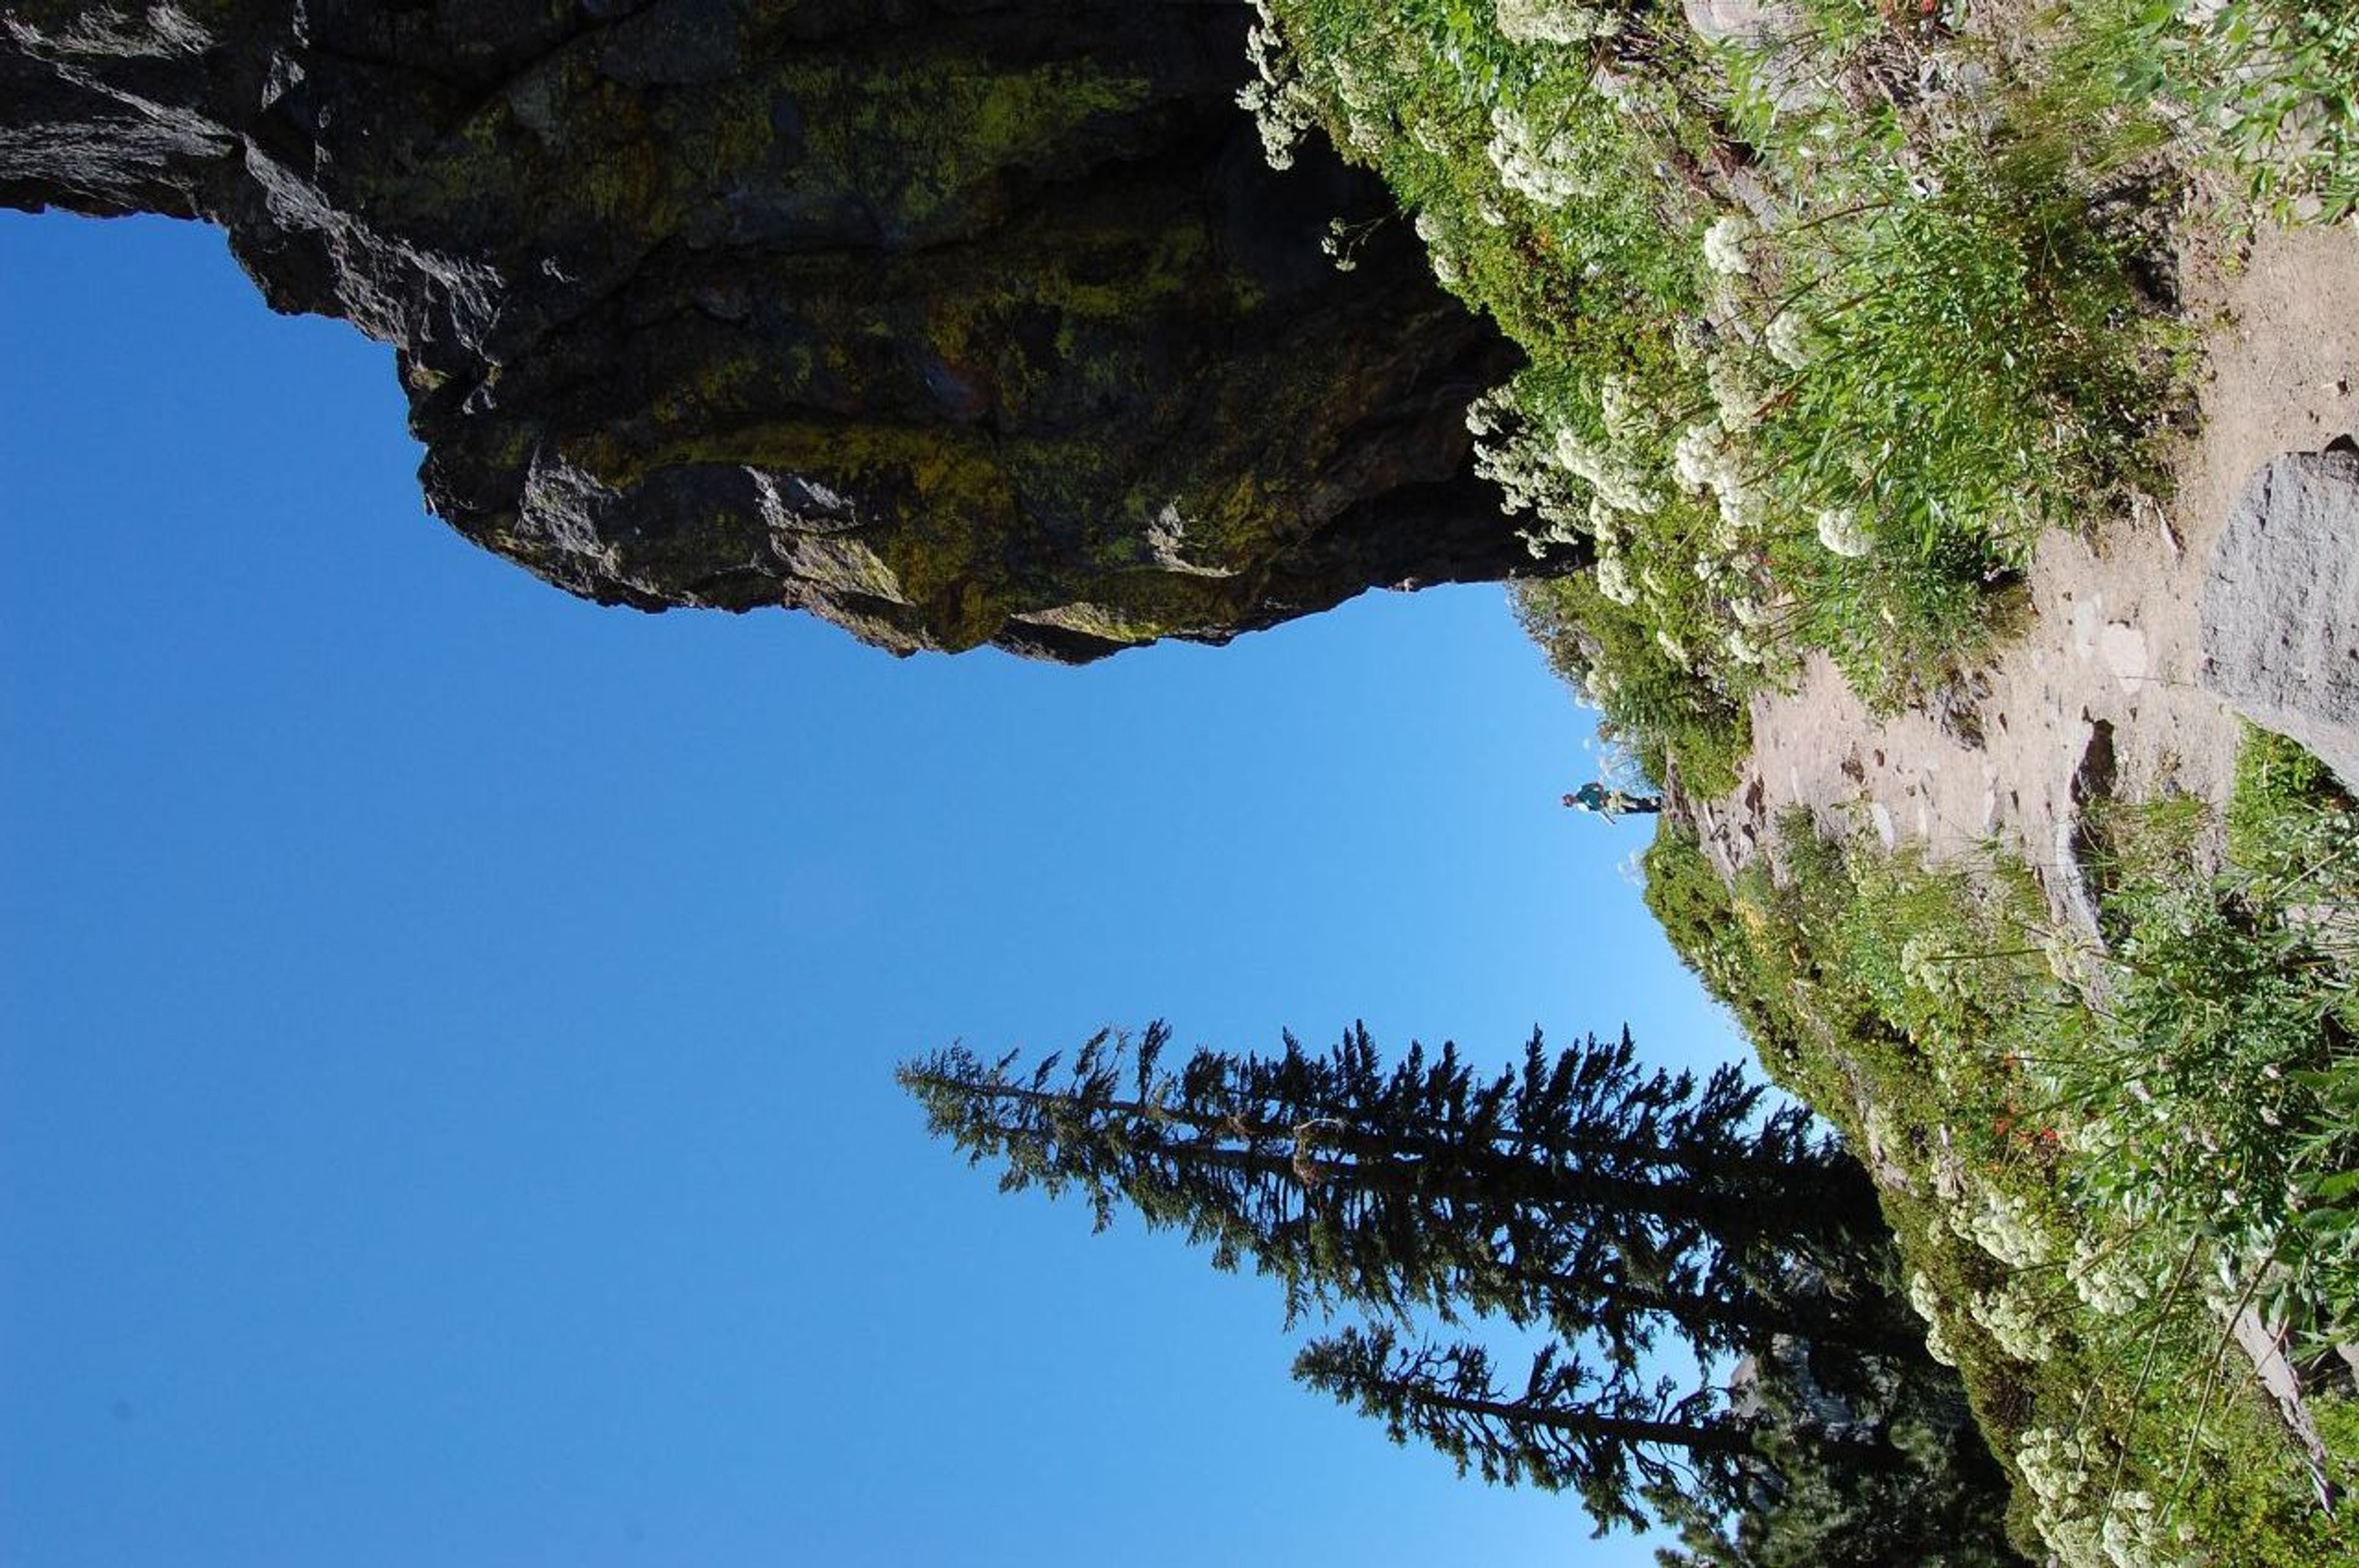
(2073, 1147)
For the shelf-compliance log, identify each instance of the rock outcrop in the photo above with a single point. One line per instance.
(955, 321)
(2281, 605)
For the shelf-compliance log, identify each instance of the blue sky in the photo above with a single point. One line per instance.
(446, 1028)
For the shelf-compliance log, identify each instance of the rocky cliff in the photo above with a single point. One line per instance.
(954, 321)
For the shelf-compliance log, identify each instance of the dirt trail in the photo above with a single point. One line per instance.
(2098, 693)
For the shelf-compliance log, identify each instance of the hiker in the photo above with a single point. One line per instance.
(1606, 801)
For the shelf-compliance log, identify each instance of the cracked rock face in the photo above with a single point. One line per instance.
(2281, 605)
(955, 322)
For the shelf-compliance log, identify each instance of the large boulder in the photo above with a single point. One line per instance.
(955, 321)
(2281, 605)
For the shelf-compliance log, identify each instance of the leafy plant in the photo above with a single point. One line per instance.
(2094, 1154)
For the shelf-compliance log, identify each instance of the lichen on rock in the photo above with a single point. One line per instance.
(954, 323)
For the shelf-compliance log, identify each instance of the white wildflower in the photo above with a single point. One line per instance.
(1925, 1297)
(1280, 105)
(1554, 21)
(1840, 532)
(2075, 1541)
(1740, 647)
(1511, 466)
(1735, 392)
(1367, 118)
(2007, 1228)
(1338, 243)
(1614, 580)
(2013, 1320)
(1483, 414)
(1435, 234)
(1937, 1345)
(1788, 339)
(2108, 1279)
(1514, 456)
(1614, 477)
(1724, 246)
(1694, 457)
(1671, 647)
(2055, 1465)
(1704, 459)
(2134, 1536)
(1544, 169)
(1516, 467)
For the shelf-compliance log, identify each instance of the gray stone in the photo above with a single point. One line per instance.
(1754, 24)
(1768, 31)
(2281, 605)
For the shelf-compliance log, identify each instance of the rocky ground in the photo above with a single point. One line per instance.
(2102, 690)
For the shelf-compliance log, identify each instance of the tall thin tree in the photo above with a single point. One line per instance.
(1608, 1437)
(1578, 1194)
(1577, 1190)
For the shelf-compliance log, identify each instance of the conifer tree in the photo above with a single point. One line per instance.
(1820, 1460)
(1578, 1194)
(1606, 1435)
(1578, 1191)
(1858, 1462)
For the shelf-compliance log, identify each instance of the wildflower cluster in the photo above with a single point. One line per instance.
(1365, 122)
(1927, 1300)
(2192, 1113)
(1724, 246)
(1685, 550)
(1708, 459)
(2110, 1279)
(1841, 533)
(2082, 1525)
(1822, 396)
(1555, 21)
(1541, 165)
(1281, 106)
(2016, 1320)
(1789, 339)
(2007, 1228)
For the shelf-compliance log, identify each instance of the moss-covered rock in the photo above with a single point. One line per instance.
(955, 323)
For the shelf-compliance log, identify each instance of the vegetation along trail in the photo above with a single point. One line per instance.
(2113, 632)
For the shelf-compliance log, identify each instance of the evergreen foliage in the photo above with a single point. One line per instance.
(1858, 1462)
(1616, 1211)
(1580, 1191)
(1607, 1435)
